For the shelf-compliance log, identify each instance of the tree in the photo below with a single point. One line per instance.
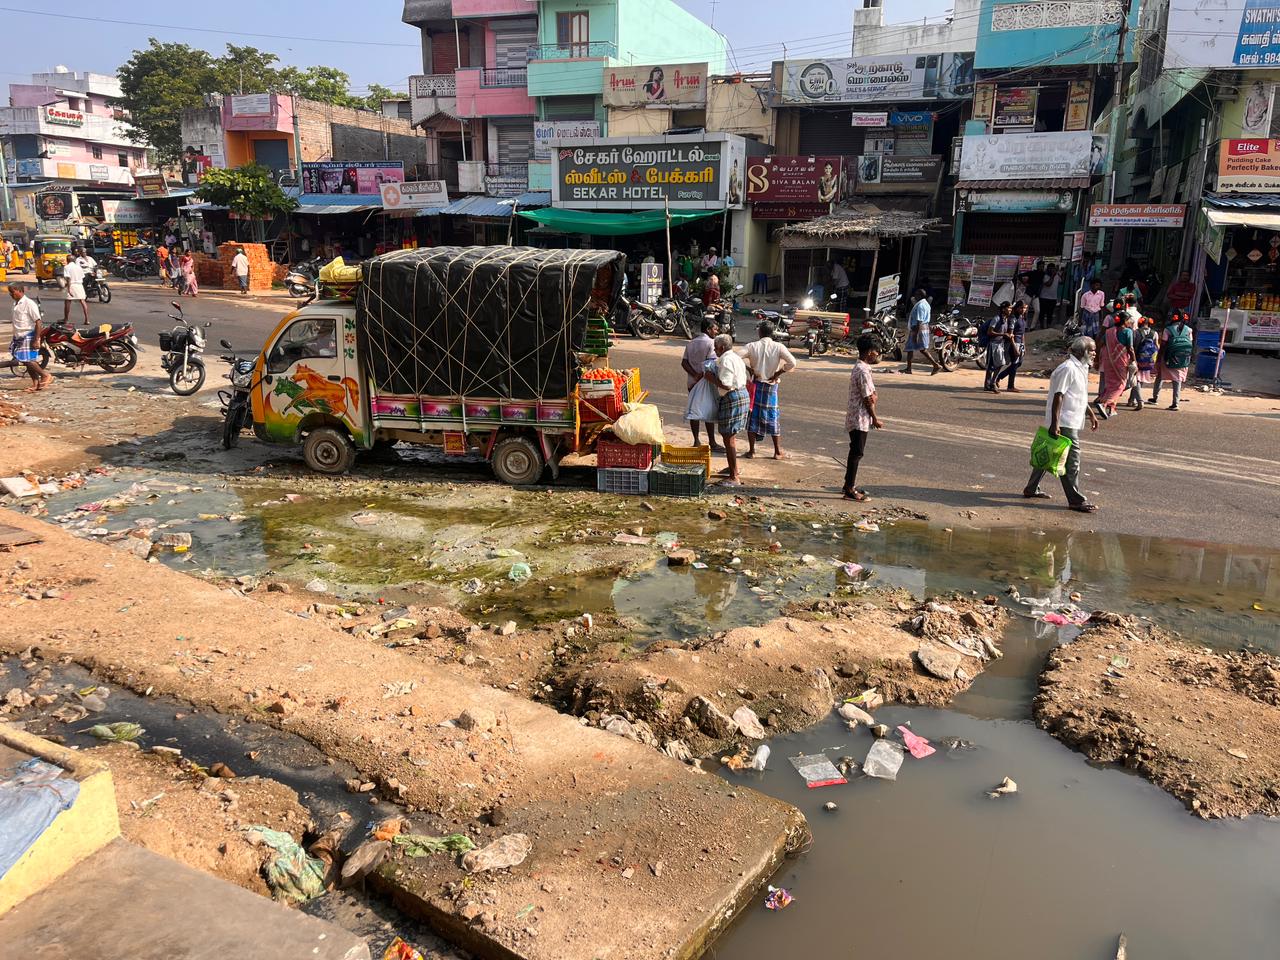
(323, 84)
(250, 191)
(247, 70)
(378, 93)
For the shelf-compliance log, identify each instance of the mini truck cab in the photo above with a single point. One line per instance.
(465, 348)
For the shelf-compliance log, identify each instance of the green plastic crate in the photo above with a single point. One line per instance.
(677, 480)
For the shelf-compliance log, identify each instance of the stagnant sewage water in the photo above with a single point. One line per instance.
(928, 866)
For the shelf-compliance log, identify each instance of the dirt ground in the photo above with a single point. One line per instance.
(1197, 723)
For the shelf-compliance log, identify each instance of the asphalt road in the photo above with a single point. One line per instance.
(948, 449)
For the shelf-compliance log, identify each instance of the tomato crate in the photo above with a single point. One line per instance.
(606, 408)
(678, 456)
(621, 480)
(614, 453)
(679, 480)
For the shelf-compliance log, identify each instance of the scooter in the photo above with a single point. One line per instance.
(236, 406)
(182, 347)
(301, 280)
(112, 346)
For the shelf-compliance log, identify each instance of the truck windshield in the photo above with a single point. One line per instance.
(310, 339)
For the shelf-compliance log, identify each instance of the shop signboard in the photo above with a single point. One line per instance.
(1077, 246)
(54, 204)
(151, 185)
(1261, 325)
(943, 76)
(1032, 156)
(63, 117)
(1160, 215)
(1020, 201)
(888, 290)
(984, 101)
(1211, 237)
(651, 278)
(251, 105)
(1015, 107)
(699, 172)
(414, 195)
(1079, 99)
(791, 180)
(898, 174)
(1249, 166)
(912, 132)
(1222, 35)
(664, 85)
(861, 119)
(126, 212)
(99, 172)
(361, 178)
(980, 292)
(30, 168)
(544, 131)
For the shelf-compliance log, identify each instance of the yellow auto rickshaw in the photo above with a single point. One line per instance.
(52, 250)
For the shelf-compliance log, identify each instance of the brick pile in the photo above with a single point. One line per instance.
(261, 269)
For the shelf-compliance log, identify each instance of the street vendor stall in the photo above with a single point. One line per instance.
(1242, 234)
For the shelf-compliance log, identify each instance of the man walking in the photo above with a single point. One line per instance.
(1015, 346)
(696, 354)
(920, 331)
(27, 334)
(1065, 412)
(768, 360)
(73, 277)
(860, 416)
(1180, 293)
(240, 266)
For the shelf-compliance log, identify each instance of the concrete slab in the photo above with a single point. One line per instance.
(125, 903)
(634, 855)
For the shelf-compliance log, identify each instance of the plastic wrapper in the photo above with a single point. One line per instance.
(818, 771)
(884, 760)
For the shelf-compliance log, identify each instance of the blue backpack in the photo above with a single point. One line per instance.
(1148, 348)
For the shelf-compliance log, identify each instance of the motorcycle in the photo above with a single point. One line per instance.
(139, 263)
(180, 358)
(95, 285)
(115, 350)
(957, 341)
(883, 325)
(664, 318)
(301, 280)
(818, 335)
(723, 312)
(236, 406)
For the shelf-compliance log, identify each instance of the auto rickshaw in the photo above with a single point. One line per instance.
(52, 252)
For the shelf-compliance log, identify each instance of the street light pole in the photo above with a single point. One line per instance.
(6, 200)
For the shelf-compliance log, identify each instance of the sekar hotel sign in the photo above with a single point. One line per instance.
(700, 172)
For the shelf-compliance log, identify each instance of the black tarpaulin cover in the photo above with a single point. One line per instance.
(491, 322)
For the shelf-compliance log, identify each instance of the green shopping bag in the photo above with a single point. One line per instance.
(1048, 453)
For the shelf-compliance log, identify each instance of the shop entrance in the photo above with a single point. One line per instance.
(1026, 234)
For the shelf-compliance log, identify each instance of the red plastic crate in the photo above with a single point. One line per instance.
(600, 409)
(632, 456)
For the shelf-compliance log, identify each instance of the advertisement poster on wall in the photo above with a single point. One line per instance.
(943, 76)
(669, 85)
(544, 131)
(251, 105)
(1223, 35)
(1015, 108)
(129, 212)
(1033, 156)
(984, 101)
(54, 204)
(150, 185)
(1249, 166)
(687, 172)
(898, 173)
(793, 187)
(363, 179)
(980, 292)
(888, 290)
(1079, 99)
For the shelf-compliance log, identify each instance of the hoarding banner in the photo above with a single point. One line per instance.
(980, 292)
(962, 265)
(544, 131)
(794, 179)
(870, 119)
(888, 289)
(984, 267)
(687, 174)
(984, 101)
(893, 170)
(785, 210)
(365, 178)
(1169, 215)
(1079, 99)
(54, 204)
(1020, 201)
(677, 84)
(1032, 156)
(1249, 166)
(1222, 35)
(1007, 266)
(127, 212)
(151, 185)
(944, 76)
(414, 195)
(251, 105)
(1015, 107)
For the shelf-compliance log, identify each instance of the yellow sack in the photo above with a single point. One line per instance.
(640, 424)
(337, 271)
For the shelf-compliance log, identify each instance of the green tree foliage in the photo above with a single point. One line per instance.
(162, 80)
(249, 190)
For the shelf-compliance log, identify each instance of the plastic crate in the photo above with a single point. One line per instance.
(606, 408)
(614, 453)
(681, 480)
(678, 456)
(621, 480)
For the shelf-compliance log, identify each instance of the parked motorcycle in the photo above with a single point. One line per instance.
(236, 406)
(301, 280)
(724, 312)
(181, 349)
(957, 341)
(95, 284)
(883, 325)
(115, 350)
(818, 334)
(139, 263)
(664, 318)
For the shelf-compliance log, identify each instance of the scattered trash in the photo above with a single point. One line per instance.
(508, 851)
(667, 540)
(748, 723)
(699, 566)
(817, 771)
(588, 624)
(868, 698)
(399, 950)
(291, 874)
(1238, 754)
(1120, 662)
(760, 759)
(121, 732)
(632, 540)
(504, 553)
(917, 745)
(421, 845)
(884, 760)
(830, 806)
(1122, 948)
(473, 586)
(852, 570)
(364, 860)
(1005, 786)
(880, 731)
(519, 572)
(778, 899)
(866, 526)
(19, 487)
(856, 715)
(808, 559)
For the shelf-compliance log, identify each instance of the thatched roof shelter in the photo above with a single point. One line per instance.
(859, 227)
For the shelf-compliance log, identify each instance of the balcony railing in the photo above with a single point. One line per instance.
(573, 51)
(514, 171)
(505, 77)
(433, 85)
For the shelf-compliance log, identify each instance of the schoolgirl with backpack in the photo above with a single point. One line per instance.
(1177, 345)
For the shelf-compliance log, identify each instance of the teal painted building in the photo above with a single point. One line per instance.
(1036, 33)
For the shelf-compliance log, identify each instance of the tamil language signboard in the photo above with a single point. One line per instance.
(544, 131)
(1221, 34)
(414, 195)
(939, 76)
(698, 172)
(793, 187)
(891, 173)
(151, 185)
(1249, 166)
(1032, 156)
(364, 178)
(1168, 215)
(676, 85)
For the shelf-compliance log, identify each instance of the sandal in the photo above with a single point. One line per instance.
(858, 496)
(1037, 495)
(1085, 507)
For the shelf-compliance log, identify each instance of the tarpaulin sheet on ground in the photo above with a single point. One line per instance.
(492, 322)
(612, 224)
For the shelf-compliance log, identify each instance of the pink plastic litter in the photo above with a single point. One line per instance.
(1056, 619)
(917, 745)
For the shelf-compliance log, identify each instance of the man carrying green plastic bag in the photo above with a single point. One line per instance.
(1056, 448)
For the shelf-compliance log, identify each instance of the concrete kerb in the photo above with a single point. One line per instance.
(581, 794)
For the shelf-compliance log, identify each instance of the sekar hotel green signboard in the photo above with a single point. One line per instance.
(695, 172)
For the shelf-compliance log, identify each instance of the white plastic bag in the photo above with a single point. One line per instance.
(640, 424)
(703, 403)
(884, 759)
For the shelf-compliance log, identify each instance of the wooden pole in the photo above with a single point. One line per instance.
(671, 273)
(871, 287)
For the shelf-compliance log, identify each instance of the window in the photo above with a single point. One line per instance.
(122, 159)
(73, 103)
(97, 152)
(304, 340)
(573, 32)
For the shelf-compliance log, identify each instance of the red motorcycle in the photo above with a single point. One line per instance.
(113, 347)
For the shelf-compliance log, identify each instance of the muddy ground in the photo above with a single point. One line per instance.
(1201, 724)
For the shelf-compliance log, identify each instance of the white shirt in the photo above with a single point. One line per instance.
(73, 273)
(839, 278)
(1071, 379)
(732, 372)
(26, 314)
(767, 356)
(240, 264)
(87, 263)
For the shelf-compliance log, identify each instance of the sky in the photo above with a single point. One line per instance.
(387, 51)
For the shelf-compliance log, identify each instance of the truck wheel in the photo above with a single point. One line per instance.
(327, 450)
(517, 461)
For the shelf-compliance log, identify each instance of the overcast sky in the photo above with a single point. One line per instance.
(388, 51)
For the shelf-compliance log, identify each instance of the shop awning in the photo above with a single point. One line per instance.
(1061, 183)
(860, 227)
(1265, 220)
(480, 207)
(613, 224)
(325, 203)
